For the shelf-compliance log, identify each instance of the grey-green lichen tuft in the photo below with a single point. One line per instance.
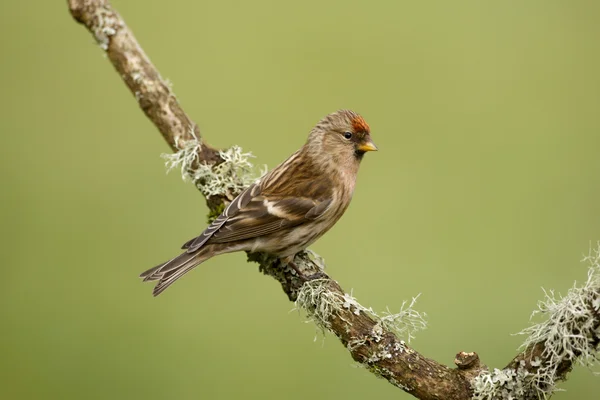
(505, 384)
(570, 333)
(227, 178)
(105, 25)
(185, 158)
(321, 305)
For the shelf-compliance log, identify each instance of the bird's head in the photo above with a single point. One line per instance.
(343, 134)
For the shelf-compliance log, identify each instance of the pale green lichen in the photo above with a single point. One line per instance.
(185, 158)
(571, 330)
(503, 384)
(406, 322)
(570, 333)
(228, 178)
(321, 304)
(105, 26)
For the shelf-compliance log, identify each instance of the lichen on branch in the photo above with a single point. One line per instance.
(228, 178)
(569, 335)
(321, 304)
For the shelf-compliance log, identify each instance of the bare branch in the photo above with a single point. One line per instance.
(151, 91)
(371, 339)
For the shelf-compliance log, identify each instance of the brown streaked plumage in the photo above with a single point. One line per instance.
(287, 209)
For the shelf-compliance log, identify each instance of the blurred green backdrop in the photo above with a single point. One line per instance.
(485, 188)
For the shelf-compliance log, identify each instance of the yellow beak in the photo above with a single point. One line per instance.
(367, 146)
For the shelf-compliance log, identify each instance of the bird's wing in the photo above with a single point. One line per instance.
(263, 216)
(259, 211)
(230, 211)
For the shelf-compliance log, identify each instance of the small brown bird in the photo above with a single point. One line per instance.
(287, 209)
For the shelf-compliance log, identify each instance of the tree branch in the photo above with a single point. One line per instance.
(370, 338)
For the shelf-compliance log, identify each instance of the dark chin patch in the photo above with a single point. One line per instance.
(359, 154)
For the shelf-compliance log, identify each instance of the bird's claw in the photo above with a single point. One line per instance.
(316, 275)
(304, 278)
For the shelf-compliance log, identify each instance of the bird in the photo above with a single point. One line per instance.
(290, 207)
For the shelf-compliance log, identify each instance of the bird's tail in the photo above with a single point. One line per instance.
(175, 268)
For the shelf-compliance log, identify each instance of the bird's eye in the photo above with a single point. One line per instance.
(348, 135)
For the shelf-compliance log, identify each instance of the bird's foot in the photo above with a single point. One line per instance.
(316, 275)
(304, 278)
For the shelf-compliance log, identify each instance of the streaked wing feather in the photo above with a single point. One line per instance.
(250, 231)
(232, 209)
(262, 218)
(318, 210)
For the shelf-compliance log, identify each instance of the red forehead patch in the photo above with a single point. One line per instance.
(360, 125)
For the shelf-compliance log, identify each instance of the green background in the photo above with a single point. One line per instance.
(485, 188)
